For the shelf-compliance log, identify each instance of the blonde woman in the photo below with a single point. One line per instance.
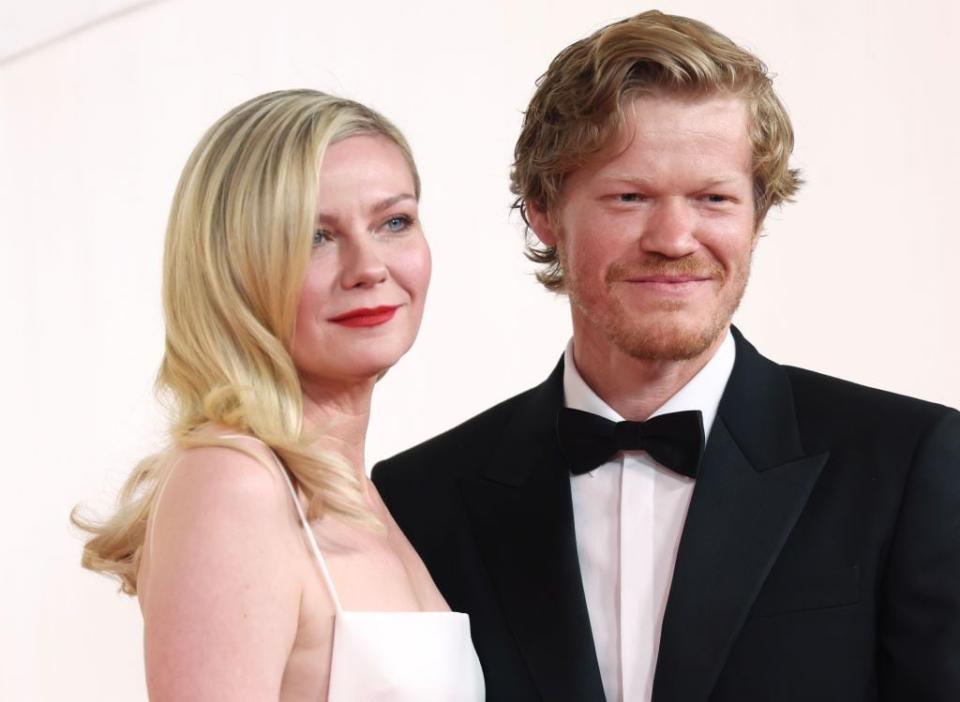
(265, 563)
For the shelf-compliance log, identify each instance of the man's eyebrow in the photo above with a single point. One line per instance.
(722, 179)
(377, 207)
(626, 178)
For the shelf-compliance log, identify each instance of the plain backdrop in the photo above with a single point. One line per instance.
(101, 102)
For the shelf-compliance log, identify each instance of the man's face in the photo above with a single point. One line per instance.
(655, 240)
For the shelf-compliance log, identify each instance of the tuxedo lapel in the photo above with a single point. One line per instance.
(522, 517)
(753, 484)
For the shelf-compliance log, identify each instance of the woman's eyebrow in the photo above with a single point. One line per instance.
(389, 202)
(380, 206)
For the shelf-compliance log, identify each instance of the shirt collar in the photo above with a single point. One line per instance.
(702, 392)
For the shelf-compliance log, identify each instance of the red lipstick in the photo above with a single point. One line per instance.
(366, 316)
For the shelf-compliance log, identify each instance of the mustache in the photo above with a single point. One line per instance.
(659, 265)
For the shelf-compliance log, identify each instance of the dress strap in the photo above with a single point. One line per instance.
(304, 522)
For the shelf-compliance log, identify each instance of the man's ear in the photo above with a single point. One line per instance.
(757, 233)
(541, 224)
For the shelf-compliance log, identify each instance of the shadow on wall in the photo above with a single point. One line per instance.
(35, 26)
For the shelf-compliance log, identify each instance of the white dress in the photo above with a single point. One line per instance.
(396, 656)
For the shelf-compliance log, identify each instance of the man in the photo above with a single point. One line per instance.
(809, 551)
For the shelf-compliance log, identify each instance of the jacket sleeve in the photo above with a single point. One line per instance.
(919, 621)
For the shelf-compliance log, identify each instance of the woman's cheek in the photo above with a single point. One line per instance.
(416, 266)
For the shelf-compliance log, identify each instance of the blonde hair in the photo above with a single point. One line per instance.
(237, 246)
(577, 111)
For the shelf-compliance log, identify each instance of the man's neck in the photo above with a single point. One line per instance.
(634, 387)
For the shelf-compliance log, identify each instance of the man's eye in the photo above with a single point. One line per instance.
(321, 236)
(713, 197)
(630, 197)
(398, 223)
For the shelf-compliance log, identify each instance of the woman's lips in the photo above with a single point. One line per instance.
(366, 316)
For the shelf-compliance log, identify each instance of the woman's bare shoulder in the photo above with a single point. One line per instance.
(221, 573)
(217, 506)
(241, 467)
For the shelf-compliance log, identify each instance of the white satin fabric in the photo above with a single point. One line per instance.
(396, 656)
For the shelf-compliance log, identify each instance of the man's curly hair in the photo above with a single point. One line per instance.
(578, 111)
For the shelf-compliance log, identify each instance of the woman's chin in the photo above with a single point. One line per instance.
(375, 365)
(358, 371)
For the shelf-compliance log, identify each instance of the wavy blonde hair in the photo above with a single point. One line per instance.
(577, 112)
(237, 246)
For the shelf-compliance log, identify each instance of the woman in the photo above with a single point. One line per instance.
(265, 563)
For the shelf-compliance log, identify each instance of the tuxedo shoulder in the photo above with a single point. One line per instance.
(454, 452)
(836, 400)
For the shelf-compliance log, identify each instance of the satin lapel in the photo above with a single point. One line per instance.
(522, 516)
(753, 484)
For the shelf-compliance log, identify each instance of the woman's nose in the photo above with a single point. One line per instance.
(363, 267)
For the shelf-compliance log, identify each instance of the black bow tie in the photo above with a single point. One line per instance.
(674, 440)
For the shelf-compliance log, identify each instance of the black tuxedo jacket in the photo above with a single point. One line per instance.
(820, 559)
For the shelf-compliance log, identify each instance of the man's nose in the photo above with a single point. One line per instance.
(671, 229)
(363, 265)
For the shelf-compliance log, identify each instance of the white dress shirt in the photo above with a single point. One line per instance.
(629, 515)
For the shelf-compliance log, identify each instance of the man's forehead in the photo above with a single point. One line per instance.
(710, 135)
(682, 97)
(666, 113)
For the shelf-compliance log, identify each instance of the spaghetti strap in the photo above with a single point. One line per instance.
(405, 656)
(402, 656)
(311, 538)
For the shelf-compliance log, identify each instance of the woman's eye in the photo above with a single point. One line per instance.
(320, 237)
(398, 223)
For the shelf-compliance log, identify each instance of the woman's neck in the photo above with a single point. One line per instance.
(340, 414)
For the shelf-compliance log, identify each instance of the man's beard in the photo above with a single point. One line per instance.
(667, 333)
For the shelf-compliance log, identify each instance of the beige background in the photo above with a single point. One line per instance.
(98, 112)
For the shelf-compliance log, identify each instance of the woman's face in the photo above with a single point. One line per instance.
(362, 300)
